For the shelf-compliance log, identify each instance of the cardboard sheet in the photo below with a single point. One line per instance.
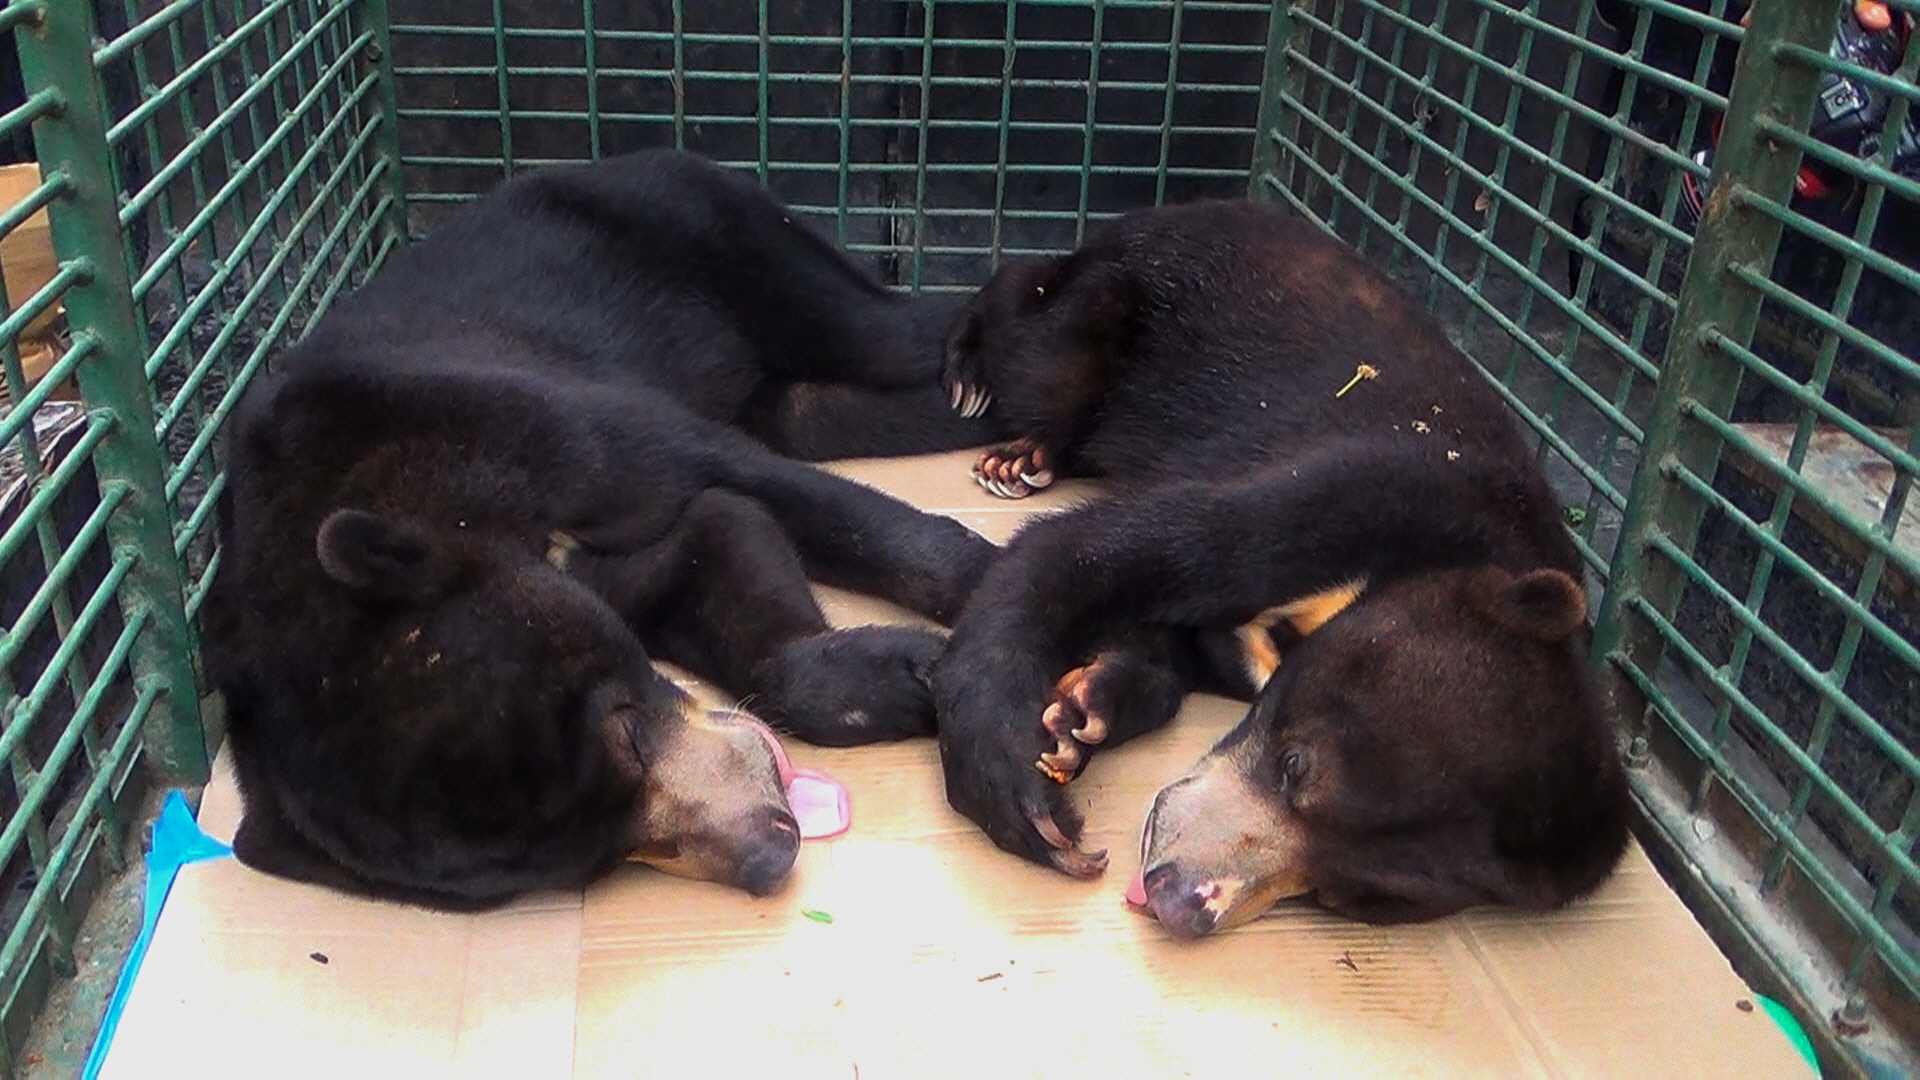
(943, 957)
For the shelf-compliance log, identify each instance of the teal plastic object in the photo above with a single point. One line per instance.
(1795, 1034)
(177, 841)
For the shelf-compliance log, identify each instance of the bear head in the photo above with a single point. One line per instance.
(1438, 744)
(454, 716)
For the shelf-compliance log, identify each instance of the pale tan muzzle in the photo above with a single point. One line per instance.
(1217, 851)
(716, 806)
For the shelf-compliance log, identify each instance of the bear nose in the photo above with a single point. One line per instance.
(770, 855)
(1187, 908)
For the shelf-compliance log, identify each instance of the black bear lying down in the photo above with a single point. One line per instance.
(1304, 462)
(465, 511)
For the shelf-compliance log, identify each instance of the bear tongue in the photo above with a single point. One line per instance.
(818, 802)
(1137, 895)
(780, 759)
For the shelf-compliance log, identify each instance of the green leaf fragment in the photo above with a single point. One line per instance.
(817, 916)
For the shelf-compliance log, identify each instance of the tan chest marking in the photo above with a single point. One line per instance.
(1304, 614)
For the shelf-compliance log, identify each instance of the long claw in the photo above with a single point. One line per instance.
(1038, 479)
(1093, 731)
(1064, 758)
(1084, 865)
(1049, 831)
(1055, 719)
(954, 396)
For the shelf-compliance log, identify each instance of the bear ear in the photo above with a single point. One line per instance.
(1543, 604)
(378, 557)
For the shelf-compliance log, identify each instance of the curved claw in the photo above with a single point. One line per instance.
(1084, 865)
(956, 392)
(1049, 831)
(1037, 479)
(1093, 731)
(1063, 760)
(1055, 719)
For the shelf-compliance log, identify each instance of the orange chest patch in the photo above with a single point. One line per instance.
(1304, 615)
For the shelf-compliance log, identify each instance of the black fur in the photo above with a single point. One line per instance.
(467, 509)
(1196, 356)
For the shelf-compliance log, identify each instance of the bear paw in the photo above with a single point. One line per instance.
(1015, 470)
(1075, 722)
(850, 687)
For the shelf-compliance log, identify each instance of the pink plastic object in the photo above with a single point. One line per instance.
(818, 801)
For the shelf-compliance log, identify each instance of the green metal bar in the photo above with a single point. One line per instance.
(20, 417)
(1710, 299)
(592, 47)
(1166, 113)
(679, 76)
(197, 595)
(920, 145)
(844, 180)
(86, 228)
(888, 41)
(189, 530)
(1000, 156)
(373, 17)
(1273, 80)
(506, 103)
(766, 104)
(825, 78)
(1094, 44)
(868, 122)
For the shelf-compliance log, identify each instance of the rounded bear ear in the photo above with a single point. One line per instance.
(1543, 604)
(376, 556)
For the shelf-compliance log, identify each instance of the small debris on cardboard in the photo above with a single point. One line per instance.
(1743, 1005)
(989, 977)
(317, 957)
(1346, 961)
(817, 915)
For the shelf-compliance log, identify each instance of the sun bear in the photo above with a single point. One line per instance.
(532, 454)
(1305, 467)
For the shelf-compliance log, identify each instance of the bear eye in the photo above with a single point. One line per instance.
(1293, 766)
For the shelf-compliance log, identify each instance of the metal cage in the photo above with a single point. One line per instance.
(1684, 243)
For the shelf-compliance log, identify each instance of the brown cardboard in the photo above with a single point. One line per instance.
(944, 957)
(25, 252)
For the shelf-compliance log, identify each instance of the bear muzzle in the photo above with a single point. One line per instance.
(715, 806)
(1217, 852)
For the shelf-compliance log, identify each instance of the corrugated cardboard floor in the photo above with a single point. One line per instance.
(943, 957)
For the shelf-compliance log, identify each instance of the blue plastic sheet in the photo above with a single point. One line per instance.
(177, 841)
